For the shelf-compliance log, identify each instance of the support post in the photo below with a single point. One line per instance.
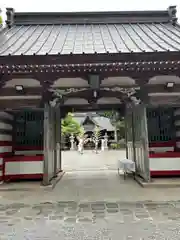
(134, 139)
(46, 149)
(115, 134)
(54, 141)
(146, 145)
(49, 144)
(126, 134)
(58, 139)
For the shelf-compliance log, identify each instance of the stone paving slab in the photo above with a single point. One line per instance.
(103, 207)
(159, 182)
(92, 220)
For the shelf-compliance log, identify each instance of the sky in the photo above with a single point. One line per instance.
(84, 5)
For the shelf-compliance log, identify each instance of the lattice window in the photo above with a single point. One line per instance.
(29, 128)
(160, 124)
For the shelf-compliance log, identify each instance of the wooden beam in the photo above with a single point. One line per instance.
(136, 74)
(19, 103)
(89, 107)
(153, 88)
(9, 91)
(89, 58)
(88, 92)
(10, 99)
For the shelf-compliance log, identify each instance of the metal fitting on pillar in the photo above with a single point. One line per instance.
(10, 17)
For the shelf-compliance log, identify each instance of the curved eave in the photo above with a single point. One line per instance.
(98, 58)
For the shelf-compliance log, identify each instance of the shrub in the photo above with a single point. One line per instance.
(121, 144)
(114, 146)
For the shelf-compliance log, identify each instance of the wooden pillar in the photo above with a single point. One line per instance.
(46, 149)
(53, 115)
(58, 139)
(126, 133)
(115, 134)
(49, 144)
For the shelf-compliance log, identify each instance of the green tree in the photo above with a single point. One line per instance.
(96, 137)
(1, 20)
(109, 114)
(70, 126)
(96, 134)
(81, 133)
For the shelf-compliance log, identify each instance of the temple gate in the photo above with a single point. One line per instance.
(58, 62)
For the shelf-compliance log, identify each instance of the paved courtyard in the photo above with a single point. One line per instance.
(91, 202)
(90, 161)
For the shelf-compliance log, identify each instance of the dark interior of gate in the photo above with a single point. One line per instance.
(54, 63)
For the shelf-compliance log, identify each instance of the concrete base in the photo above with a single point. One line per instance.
(30, 186)
(54, 181)
(159, 182)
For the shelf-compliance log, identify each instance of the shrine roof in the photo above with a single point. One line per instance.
(102, 122)
(90, 32)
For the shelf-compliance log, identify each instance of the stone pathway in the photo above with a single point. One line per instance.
(90, 161)
(91, 205)
(90, 220)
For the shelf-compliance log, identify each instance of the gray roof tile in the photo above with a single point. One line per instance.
(102, 122)
(89, 38)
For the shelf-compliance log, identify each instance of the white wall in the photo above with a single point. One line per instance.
(6, 121)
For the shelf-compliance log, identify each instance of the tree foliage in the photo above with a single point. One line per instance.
(1, 20)
(70, 126)
(109, 114)
(96, 136)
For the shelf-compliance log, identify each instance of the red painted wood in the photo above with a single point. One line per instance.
(166, 173)
(24, 159)
(36, 176)
(165, 155)
(27, 148)
(163, 144)
(6, 143)
(6, 154)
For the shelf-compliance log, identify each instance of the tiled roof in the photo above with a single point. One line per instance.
(76, 39)
(41, 39)
(102, 122)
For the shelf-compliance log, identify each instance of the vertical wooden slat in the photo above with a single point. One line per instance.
(141, 141)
